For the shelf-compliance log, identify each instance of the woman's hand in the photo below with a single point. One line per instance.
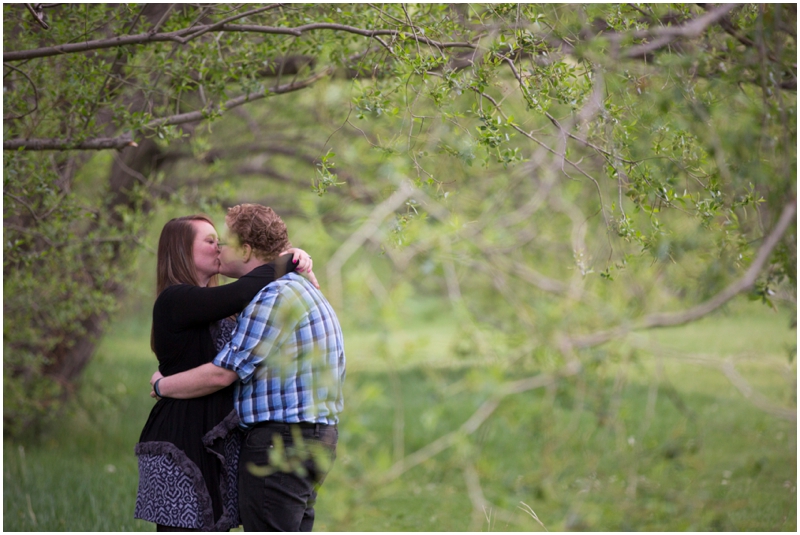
(304, 264)
(301, 258)
(312, 279)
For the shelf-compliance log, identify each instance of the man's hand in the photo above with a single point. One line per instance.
(156, 376)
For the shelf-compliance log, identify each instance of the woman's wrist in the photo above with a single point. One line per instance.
(156, 389)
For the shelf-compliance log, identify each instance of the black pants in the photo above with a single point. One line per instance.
(281, 466)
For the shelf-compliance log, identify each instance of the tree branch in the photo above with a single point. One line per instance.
(666, 35)
(183, 36)
(238, 101)
(728, 368)
(38, 13)
(230, 19)
(695, 313)
(357, 239)
(100, 143)
(529, 275)
(479, 417)
(126, 140)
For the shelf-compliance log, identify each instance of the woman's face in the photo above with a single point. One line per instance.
(205, 251)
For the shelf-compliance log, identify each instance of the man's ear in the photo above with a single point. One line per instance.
(247, 253)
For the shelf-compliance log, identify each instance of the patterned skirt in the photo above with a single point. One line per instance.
(172, 491)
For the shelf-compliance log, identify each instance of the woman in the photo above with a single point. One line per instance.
(188, 449)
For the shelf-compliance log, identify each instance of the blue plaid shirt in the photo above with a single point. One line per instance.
(288, 351)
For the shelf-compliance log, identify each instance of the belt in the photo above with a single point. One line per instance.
(301, 425)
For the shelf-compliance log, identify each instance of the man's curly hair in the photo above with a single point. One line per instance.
(260, 228)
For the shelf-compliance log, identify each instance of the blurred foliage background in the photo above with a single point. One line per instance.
(561, 239)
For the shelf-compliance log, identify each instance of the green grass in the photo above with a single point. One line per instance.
(82, 476)
(645, 439)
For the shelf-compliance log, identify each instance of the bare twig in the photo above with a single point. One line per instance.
(589, 144)
(35, 93)
(163, 19)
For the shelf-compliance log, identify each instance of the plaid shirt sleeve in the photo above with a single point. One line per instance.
(258, 332)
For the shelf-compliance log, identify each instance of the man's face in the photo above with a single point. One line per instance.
(231, 256)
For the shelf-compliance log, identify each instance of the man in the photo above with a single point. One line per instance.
(287, 353)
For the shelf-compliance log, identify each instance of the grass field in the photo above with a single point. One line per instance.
(660, 440)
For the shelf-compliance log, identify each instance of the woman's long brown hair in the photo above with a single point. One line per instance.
(175, 261)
